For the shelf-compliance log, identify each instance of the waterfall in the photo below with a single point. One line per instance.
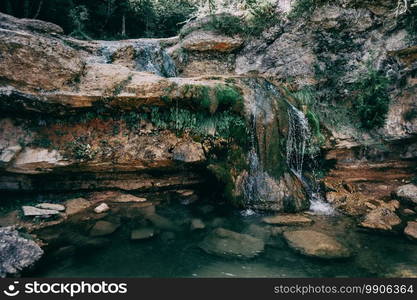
(259, 186)
(299, 136)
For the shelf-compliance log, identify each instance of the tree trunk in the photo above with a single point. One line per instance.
(124, 25)
(38, 10)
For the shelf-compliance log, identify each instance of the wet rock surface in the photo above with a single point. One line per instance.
(407, 193)
(288, 220)
(16, 253)
(411, 230)
(381, 219)
(316, 244)
(103, 228)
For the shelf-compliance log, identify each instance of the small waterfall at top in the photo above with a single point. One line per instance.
(299, 136)
(149, 56)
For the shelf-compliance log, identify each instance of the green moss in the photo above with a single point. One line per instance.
(228, 97)
(42, 142)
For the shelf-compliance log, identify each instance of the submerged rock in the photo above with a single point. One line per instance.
(381, 219)
(31, 211)
(197, 224)
(407, 193)
(316, 244)
(102, 228)
(52, 206)
(16, 252)
(228, 243)
(288, 220)
(161, 222)
(411, 230)
(142, 233)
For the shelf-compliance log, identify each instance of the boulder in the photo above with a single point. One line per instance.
(34, 61)
(16, 252)
(203, 41)
(102, 228)
(31, 211)
(142, 233)
(316, 244)
(226, 243)
(407, 193)
(381, 219)
(103, 207)
(51, 206)
(411, 230)
(288, 220)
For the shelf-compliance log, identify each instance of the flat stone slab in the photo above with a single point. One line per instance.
(102, 228)
(411, 230)
(381, 219)
(227, 243)
(142, 233)
(315, 244)
(32, 211)
(52, 206)
(288, 220)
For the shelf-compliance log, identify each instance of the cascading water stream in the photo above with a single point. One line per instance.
(299, 136)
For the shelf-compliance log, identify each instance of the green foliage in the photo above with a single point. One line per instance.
(79, 16)
(225, 24)
(107, 19)
(372, 100)
(42, 142)
(81, 149)
(262, 16)
(228, 97)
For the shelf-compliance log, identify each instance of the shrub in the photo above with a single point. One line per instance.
(372, 100)
(225, 24)
(262, 16)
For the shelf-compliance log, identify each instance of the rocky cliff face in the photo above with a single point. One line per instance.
(163, 114)
(85, 116)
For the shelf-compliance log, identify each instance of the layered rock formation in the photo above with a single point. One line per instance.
(85, 116)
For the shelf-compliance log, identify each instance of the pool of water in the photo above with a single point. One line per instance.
(175, 252)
